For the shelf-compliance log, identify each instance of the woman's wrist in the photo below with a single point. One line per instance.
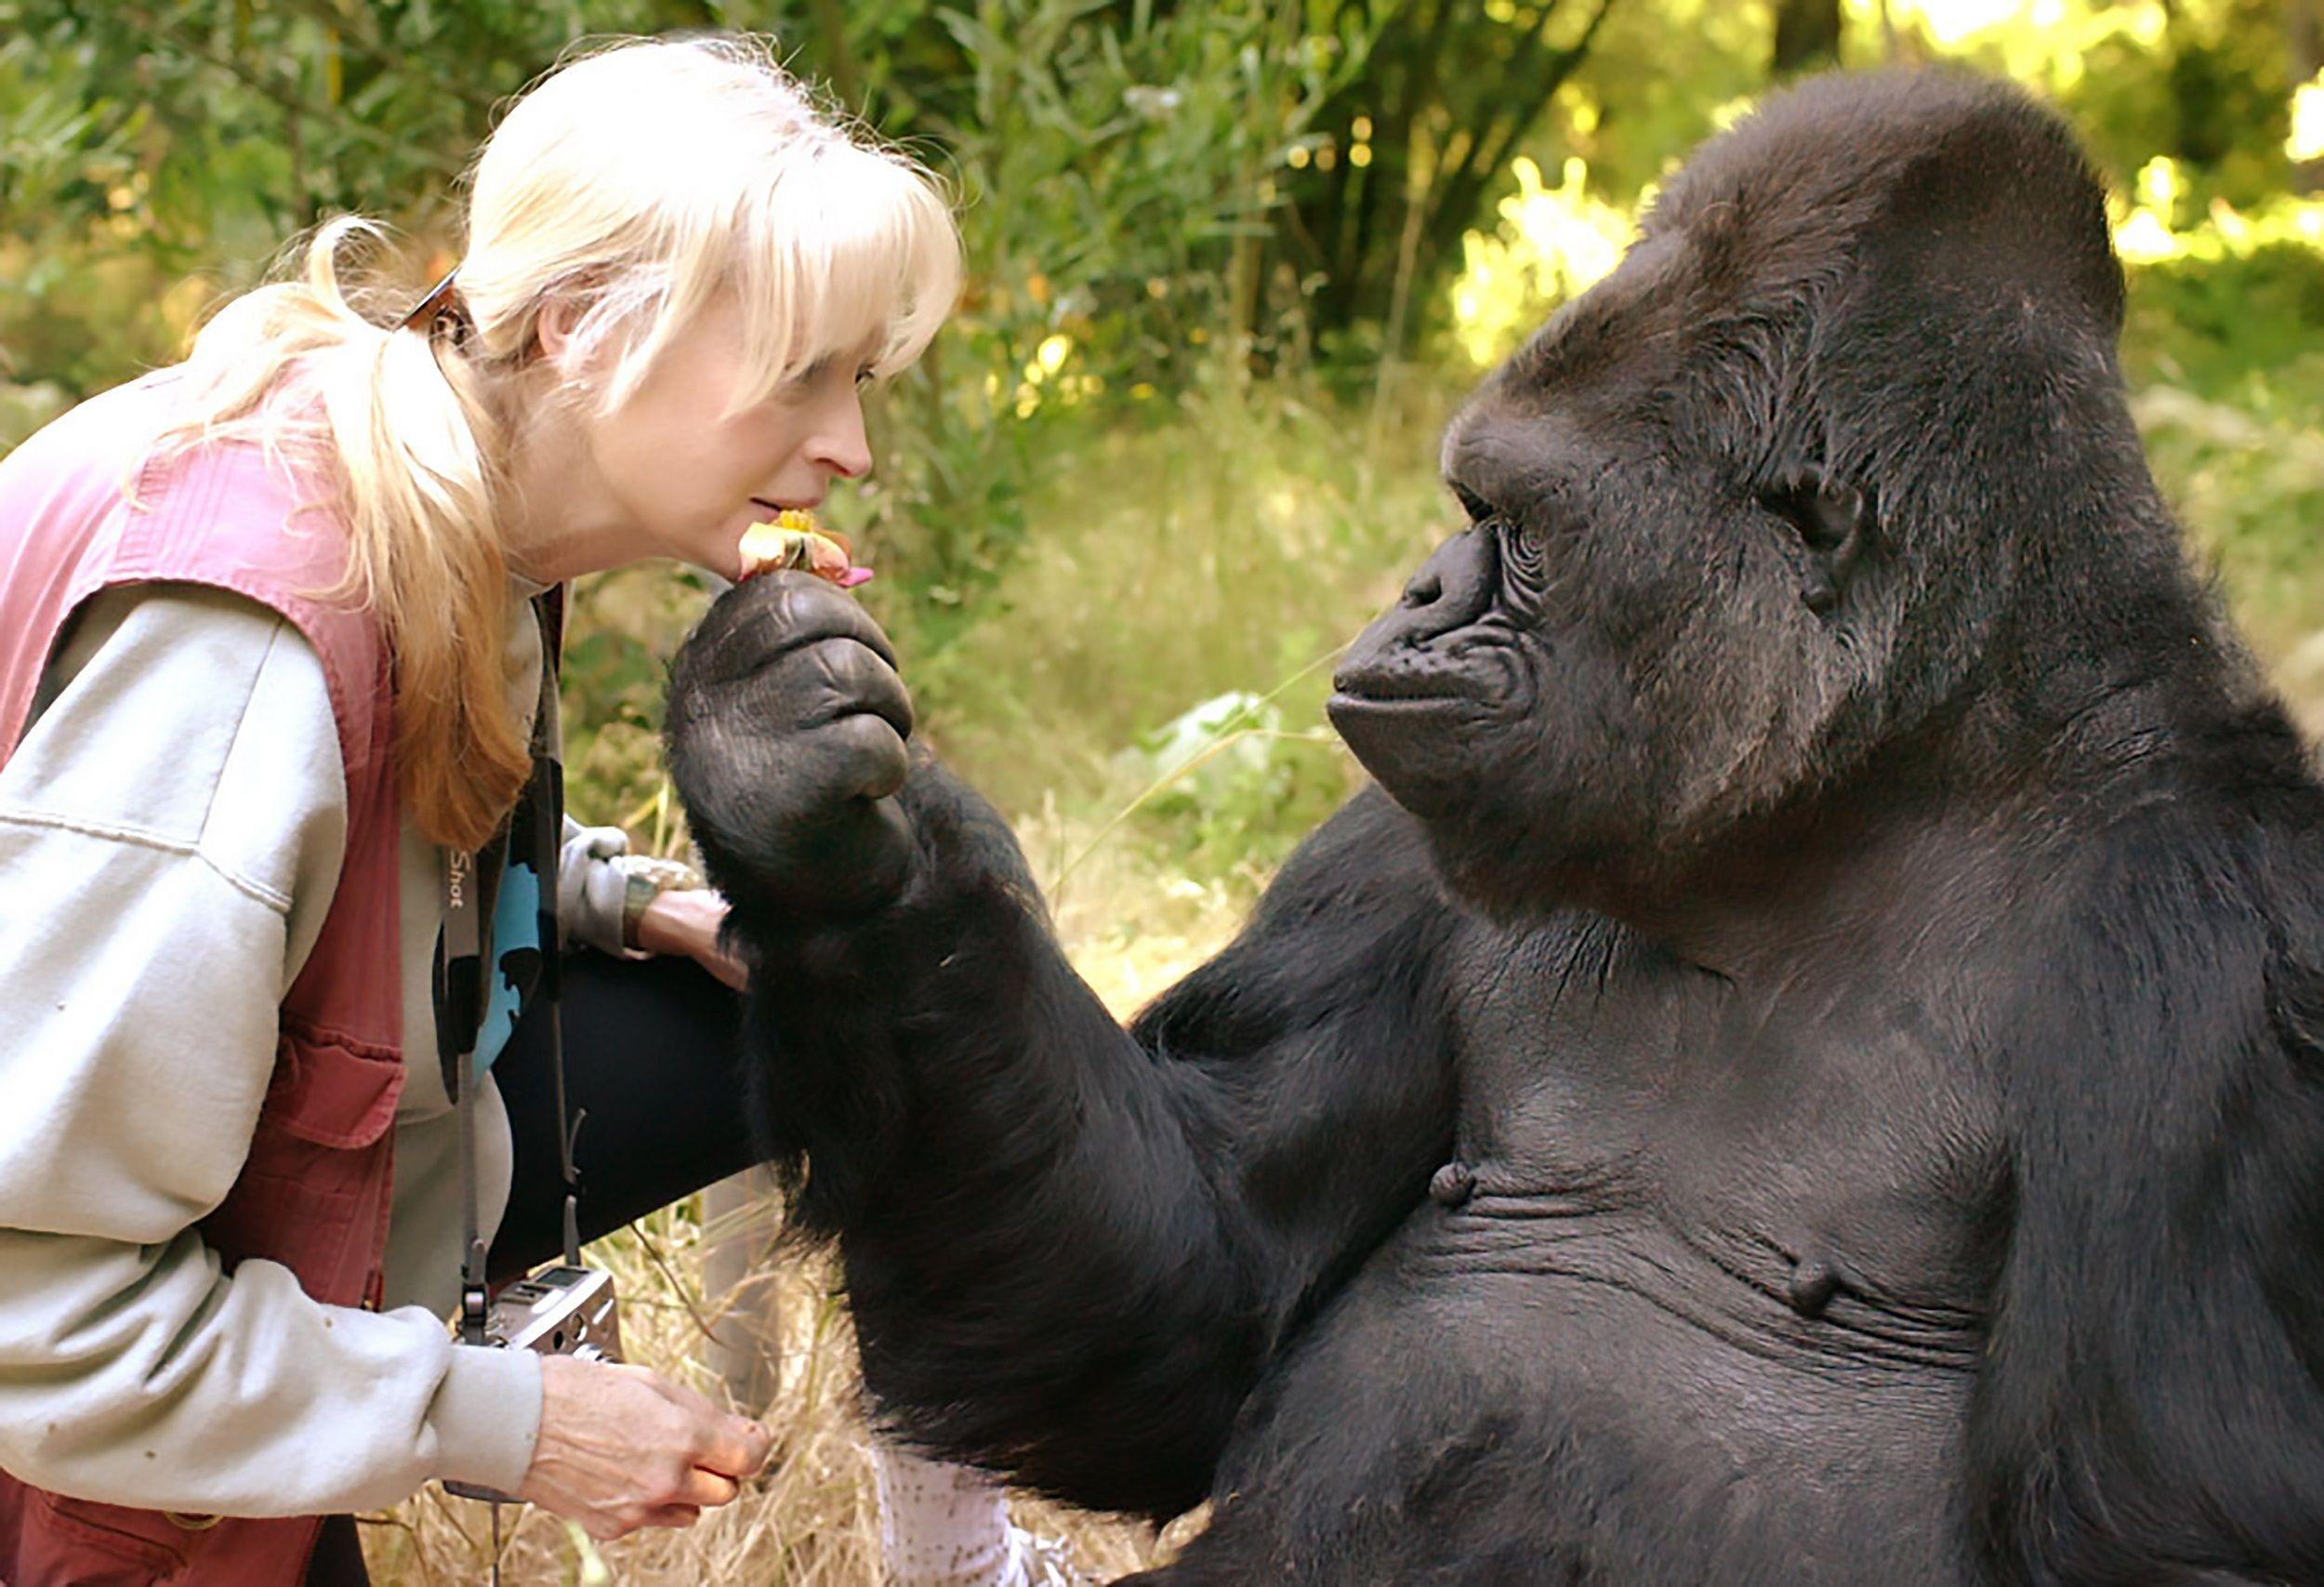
(686, 920)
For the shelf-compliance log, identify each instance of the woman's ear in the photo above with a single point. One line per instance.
(553, 328)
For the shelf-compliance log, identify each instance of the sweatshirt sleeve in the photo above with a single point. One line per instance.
(594, 868)
(171, 830)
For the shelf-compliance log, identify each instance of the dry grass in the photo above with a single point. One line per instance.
(811, 1520)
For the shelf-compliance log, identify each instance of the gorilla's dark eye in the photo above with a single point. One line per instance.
(1479, 510)
(1832, 519)
(1789, 503)
(1824, 512)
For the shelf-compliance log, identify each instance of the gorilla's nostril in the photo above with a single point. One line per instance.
(1423, 590)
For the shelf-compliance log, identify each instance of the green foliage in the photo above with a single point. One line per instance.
(1234, 544)
(1407, 150)
(2228, 358)
(1147, 138)
(1228, 786)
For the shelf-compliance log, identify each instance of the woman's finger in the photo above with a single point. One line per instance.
(708, 1489)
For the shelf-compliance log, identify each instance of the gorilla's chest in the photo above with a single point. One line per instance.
(1770, 1156)
(1699, 1298)
(1689, 1244)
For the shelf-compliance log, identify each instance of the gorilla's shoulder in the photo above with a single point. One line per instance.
(1370, 851)
(2208, 893)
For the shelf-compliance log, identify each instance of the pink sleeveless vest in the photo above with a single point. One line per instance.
(313, 1194)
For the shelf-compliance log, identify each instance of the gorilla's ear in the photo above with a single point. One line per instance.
(1833, 519)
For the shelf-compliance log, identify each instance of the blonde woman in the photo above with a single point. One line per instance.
(272, 657)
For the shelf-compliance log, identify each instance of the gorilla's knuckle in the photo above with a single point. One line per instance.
(868, 739)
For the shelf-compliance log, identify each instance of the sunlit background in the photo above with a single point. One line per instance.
(1233, 263)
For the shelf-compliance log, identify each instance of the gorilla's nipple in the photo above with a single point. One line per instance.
(1452, 1185)
(1817, 1277)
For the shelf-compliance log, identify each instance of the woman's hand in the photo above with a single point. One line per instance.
(622, 1448)
(686, 920)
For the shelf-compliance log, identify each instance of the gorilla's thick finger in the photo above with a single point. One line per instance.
(851, 678)
(889, 857)
(754, 624)
(880, 856)
(870, 749)
(858, 857)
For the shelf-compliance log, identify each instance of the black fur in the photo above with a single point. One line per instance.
(1811, 1068)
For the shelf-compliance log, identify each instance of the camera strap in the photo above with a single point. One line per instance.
(461, 995)
(469, 965)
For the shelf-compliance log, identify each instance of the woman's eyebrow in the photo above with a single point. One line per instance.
(822, 365)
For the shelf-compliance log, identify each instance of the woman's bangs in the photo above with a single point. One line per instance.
(849, 255)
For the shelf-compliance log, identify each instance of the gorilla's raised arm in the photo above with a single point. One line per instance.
(1070, 1248)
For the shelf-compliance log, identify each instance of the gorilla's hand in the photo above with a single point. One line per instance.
(787, 731)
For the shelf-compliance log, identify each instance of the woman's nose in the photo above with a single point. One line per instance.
(840, 442)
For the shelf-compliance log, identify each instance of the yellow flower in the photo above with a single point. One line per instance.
(796, 540)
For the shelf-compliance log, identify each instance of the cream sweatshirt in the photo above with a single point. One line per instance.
(171, 830)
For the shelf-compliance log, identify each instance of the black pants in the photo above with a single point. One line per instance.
(653, 1060)
(652, 1070)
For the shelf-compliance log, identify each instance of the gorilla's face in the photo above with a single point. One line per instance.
(1838, 459)
(1640, 635)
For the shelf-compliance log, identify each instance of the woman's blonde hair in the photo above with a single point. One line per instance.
(639, 179)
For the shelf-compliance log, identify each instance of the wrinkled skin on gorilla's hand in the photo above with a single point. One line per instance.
(1803, 1070)
(790, 722)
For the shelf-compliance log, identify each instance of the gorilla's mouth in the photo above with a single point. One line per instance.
(1411, 708)
(1478, 677)
(1415, 728)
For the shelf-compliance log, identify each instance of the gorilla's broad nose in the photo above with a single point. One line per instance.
(1453, 589)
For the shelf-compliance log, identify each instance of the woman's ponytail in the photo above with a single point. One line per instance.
(399, 415)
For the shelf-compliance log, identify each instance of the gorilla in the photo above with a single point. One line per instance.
(1807, 1064)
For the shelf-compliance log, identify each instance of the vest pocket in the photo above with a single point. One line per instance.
(312, 1194)
(73, 1535)
(330, 1089)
